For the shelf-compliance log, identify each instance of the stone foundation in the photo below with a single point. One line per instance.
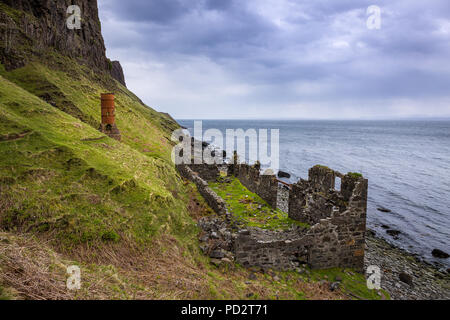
(111, 130)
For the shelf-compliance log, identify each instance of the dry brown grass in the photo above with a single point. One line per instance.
(161, 271)
(36, 269)
(28, 268)
(122, 271)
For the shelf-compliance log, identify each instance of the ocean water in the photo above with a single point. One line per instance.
(407, 164)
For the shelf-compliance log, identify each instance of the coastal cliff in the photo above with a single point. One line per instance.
(32, 27)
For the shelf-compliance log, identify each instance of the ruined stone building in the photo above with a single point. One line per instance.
(337, 218)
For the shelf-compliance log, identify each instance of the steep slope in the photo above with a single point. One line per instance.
(82, 179)
(32, 26)
(71, 195)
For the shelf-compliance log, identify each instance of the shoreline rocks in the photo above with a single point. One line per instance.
(439, 254)
(393, 233)
(404, 275)
(283, 174)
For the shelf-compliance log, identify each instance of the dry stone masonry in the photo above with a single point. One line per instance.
(263, 185)
(337, 219)
(207, 173)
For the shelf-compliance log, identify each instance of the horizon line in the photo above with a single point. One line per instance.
(326, 119)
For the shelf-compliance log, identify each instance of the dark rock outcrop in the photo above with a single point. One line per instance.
(283, 174)
(117, 72)
(393, 233)
(439, 254)
(406, 278)
(36, 27)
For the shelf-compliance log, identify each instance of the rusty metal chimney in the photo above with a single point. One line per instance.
(108, 109)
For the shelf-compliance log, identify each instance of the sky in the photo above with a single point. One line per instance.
(283, 59)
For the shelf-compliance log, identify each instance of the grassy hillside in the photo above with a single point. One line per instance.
(59, 177)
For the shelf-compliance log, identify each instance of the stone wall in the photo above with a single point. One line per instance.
(315, 199)
(269, 249)
(283, 197)
(265, 186)
(337, 219)
(213, 200)
(208, 172)
(339, 241)
(322, 178)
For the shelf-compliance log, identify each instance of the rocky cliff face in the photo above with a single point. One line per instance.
(30, 27)
(117, 72)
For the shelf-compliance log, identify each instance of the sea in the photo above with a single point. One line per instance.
(406, 162)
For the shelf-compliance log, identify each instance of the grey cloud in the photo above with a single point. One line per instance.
(286, 51)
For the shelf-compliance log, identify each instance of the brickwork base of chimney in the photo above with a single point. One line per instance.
(110, 130)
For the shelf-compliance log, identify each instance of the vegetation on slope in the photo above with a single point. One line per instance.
(249, 208)
(81, 190)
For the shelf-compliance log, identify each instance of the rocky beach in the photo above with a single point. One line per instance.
(405, 276)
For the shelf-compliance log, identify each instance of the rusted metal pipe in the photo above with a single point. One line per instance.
(285, 183)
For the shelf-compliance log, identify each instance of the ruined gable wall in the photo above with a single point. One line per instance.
(339, 241)
(315, 199)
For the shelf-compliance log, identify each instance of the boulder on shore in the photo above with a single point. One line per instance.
(439, 254)
(393, 233)
(406, 278)
(283, 174)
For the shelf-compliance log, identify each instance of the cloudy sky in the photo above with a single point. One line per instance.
(212, 59)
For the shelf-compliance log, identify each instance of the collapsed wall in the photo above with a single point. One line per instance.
(270, 249)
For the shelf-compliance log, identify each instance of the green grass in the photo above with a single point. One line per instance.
(3, 294)
(75, 90)
(352, 283)
(250, 208)
(355, 175)
(85, 191)
(319, 166)
(15, 14)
